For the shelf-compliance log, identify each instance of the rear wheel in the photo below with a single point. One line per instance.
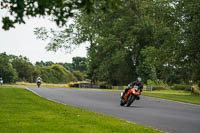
(130, 100)
(38, 84)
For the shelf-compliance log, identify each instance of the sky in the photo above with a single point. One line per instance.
(22, 41)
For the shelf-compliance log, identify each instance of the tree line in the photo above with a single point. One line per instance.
(158, 40)
(18, 68)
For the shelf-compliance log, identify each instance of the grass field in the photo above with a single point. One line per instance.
(24, 112)
(175, 95)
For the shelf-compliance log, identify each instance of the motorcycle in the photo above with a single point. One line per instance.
(130, 96)
(38, 83)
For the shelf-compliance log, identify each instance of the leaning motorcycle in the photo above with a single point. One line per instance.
(130, 96)
(38, 83)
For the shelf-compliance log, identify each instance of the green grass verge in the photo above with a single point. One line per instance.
(24, 112)
(175, 95)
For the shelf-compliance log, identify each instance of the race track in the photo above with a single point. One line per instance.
(169, 116)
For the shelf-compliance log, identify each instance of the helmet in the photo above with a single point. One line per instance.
(139, 79)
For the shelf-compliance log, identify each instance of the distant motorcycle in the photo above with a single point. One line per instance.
(130, 96)
(39, 83)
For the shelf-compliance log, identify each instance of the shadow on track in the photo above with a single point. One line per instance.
(133, 106)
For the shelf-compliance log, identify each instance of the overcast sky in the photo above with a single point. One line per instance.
(22, 41)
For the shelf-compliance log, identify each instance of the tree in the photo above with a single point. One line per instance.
(7, 72)
(60, 10)
(151, 39)
(188, 14)
(137, 26)
(23, 67)
(117, 38)
(79, 63)
(56, 74)
(67, 66)
(42, 63)
(79, 75)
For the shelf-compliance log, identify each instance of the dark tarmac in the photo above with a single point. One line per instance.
(165, 115)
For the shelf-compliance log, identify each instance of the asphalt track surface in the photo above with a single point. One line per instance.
(165, 115)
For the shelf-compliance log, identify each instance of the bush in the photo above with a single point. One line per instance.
(56, 74)
(181, 87)
(158, 88)
(196, 90)
(157, 85)
(78, 75)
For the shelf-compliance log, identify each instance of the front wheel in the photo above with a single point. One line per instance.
(130, 100)
(122, 102)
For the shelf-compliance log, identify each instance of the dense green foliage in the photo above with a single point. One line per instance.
(24, 68)
(19, 68)
(181, 87)
(78, 64)
(7, 72)
(59, 10)
(157, 40)
(56, 74)
(154, 39)
(196, 90)
(189, 57)
(80, 76)
(73, 71)
(42, 63)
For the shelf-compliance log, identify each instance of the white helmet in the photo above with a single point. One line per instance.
(139, 79)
